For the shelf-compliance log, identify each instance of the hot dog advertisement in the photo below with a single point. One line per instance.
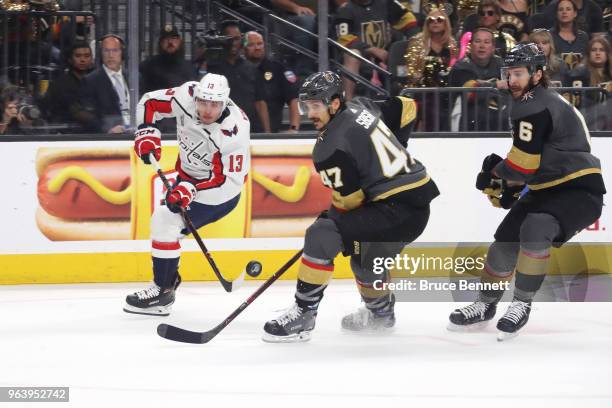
(79, 211)
(109, 194)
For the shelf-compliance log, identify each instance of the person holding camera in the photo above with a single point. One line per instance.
(17, 115)
(240, 72)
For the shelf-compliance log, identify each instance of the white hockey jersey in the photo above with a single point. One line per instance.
(215, 157)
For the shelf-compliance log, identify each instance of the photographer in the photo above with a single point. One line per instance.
(17, 114)
(210, 46)
(239, 72)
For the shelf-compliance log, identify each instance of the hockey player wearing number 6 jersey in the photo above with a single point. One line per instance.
(551, 154)
(380, 202)
(213, 138)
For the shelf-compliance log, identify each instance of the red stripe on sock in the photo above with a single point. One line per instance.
(534, 256)
(312, 265)
(166, 246)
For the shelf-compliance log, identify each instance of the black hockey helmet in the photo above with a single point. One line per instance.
(322, 86)
(525, 55)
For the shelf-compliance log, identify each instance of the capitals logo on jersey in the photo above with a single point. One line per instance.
(207, 152)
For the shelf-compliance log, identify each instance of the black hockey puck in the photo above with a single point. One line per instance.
(254, 269)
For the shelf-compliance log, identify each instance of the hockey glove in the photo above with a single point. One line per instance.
(485, 178)
(501, 195)
(148, 140)
(180, 196)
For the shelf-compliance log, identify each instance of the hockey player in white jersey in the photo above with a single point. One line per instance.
(213, 138)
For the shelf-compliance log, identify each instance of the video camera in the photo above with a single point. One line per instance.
(30, 112)
(214, 44)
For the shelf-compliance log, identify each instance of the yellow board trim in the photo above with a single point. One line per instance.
(562, 180)
(572, 259)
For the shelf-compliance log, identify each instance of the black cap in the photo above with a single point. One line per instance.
(168, 31)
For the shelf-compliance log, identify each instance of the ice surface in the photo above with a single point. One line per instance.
(78, 336)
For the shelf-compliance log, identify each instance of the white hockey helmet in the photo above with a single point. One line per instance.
(212, 87)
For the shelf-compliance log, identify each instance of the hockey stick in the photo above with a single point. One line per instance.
(186, 336)
(253, 268)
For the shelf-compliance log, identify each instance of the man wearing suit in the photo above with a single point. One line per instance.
(104, 96)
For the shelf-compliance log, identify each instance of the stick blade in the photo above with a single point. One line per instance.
(174, 333)
(237, 283)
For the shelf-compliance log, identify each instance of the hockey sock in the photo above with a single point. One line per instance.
(530, 272)
(165, 263)
(499, 267)
(165, 271)
(313, 276)
(382, 306)
(490, 275)
(377, 300)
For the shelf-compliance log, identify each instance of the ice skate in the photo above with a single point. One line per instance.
(472, 317)
(371, 317)
(293, 326)
(516, 316)
(153, 300)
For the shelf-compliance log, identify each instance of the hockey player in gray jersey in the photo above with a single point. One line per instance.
(380, 202)
(551, 155)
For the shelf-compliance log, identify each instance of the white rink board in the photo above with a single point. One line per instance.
(460, 214)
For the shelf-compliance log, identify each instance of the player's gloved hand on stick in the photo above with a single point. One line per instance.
(503, 195)
(485, 178)
(147, 141)
(180, 196)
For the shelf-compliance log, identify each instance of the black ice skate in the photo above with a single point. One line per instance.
(372, 317)
(513, 320)
(472, 317)
(292, 326)
(153, 300)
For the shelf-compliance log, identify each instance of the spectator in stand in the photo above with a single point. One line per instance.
(555, 68)
(104, 100)
(570, 42)
(301, 13)
(169, 68)
(482, 68)
(429, 57)
(239, 72)
(434, 43)
(275, 86)
(514, 18)
(364, 26)
(63, 91)
(489, 16)
(13, 121)
(596, 71)
(589, 15)
(76, 28)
